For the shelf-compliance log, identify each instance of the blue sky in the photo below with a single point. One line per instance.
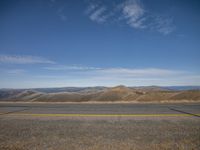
(56, 43)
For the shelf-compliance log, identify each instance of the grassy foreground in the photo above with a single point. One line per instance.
(33, 134)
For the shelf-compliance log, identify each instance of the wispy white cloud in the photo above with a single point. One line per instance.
(73, 67)
(13, 71)
(16, 71)
(139, 18)
(93, 76)
(119, 72)
(52, 76)
(24, 59)
(133, 13)
(146, 72)
(163, 25)
(97, 14)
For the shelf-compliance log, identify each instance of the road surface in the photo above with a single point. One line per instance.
(93, 126)
(100, 110)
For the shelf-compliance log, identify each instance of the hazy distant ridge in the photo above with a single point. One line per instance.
(101, 94)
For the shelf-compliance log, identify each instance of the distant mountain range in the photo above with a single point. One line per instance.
(179, 88)
(103, 94)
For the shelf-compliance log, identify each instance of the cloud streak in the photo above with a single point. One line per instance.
(77, 75)
(118, 72)
(146, 72)
(92, 76)
(133, 13)
(163, 25)
(97, 13)
(13, 71)
(138, 17)
(73, 67)
(24, 59)
(98, 16)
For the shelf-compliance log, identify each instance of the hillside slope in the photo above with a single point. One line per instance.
(119, 93)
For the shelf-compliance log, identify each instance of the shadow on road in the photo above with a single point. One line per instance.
(184, 112)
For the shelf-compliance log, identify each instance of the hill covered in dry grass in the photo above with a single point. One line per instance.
(100, 94)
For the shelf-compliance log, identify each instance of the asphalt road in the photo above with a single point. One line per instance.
(184, 109)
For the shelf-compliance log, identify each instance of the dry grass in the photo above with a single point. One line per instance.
(17, 134)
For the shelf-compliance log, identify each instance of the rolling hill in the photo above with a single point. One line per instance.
(99, 94)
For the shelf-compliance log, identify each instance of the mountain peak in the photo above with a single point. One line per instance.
(120, 87)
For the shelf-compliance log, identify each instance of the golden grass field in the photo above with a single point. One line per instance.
(69, 134)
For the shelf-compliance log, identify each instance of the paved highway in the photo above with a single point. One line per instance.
(110, 109)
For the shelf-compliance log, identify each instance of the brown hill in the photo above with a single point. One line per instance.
(59, 97)
(119, 93)
(187, 95)
(26, 95)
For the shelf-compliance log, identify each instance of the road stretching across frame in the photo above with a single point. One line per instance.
(100, 110)
(104, 115)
